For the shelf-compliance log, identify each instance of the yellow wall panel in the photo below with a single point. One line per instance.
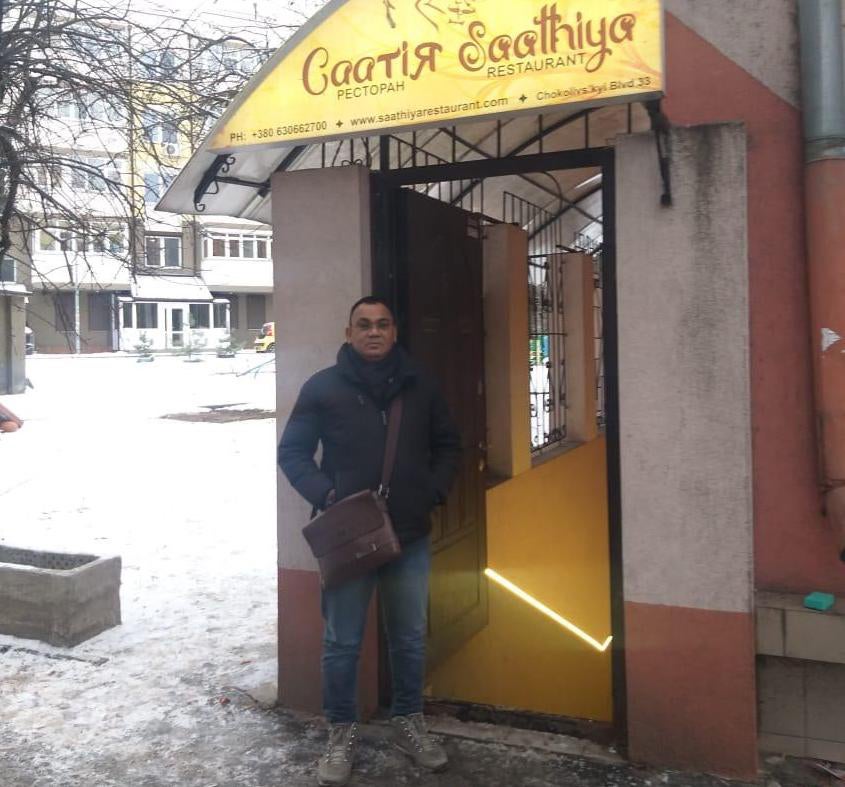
(547, 533)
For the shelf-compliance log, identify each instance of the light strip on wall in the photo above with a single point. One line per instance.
(520, 593)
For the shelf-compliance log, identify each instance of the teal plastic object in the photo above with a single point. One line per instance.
(819, 601)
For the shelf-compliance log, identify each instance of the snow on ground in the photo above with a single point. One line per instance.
(190, 508)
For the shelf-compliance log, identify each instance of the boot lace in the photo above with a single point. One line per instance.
(414, 728)
(342, 739)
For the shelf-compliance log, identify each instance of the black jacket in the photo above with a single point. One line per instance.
(336, 409)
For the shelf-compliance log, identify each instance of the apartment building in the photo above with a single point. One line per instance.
(121, 275)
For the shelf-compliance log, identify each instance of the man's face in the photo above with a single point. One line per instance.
(371, 331)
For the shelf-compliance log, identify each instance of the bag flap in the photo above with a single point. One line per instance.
(345, 521)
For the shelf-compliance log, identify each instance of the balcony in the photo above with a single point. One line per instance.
(238, 275)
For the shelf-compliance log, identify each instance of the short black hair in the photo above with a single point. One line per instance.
(371, 300)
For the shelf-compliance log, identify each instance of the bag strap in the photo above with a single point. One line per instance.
(394, 418)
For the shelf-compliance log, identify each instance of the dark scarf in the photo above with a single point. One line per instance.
(381, 379)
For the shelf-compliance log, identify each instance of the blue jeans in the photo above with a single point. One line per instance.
(403, 593)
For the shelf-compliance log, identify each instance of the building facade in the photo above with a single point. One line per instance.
(102, 268)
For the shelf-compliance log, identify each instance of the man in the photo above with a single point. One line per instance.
(9, 422)
(345, 408)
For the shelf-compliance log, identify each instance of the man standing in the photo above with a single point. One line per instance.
(345, 409)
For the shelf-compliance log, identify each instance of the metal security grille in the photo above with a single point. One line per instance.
(546, 334)
(598, 335)
(547, 356)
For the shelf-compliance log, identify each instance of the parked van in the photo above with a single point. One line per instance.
(265, 342)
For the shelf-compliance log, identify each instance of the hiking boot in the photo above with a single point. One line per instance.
(336, 764)
(411, 737)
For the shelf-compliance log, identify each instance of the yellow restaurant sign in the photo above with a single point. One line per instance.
(367, 66)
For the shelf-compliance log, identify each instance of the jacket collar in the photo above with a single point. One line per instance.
(406, 370)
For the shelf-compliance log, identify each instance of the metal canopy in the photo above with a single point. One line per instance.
(238, 184)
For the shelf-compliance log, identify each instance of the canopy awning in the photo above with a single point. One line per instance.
(360, 71)
(170, 288)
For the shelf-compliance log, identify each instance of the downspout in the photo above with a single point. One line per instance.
(823, 88)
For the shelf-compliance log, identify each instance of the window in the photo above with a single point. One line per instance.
(158, 63)
(99, 311)
(220, 310)
(7, 269)
(155, 185)
(127, 315)
(147, 315)
(164, 250)
(103, 109)
(94, 174)
(152, 187)
(200, 315)
(159, 130)
(65, 312)
(106, 239)
(237, 245)
(48, 240)
(68, 107)
(255, 311)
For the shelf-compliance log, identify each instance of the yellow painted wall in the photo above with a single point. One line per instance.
(547, 533)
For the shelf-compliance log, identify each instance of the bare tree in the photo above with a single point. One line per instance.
(100, 104)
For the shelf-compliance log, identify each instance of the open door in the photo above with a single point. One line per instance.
(439, 276)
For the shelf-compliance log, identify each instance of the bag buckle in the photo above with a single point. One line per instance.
(373, 547)
(383, 491)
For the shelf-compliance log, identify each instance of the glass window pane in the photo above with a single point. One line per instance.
(127, 315)
(220, 314)
(249, 248)
(171, 252)
(234, 247)
(147, 315)
(262, 249)
(7, 269)
(233, 311)
(153, 251)
(152, 187)
(200, 315)
(218, 247)
(99, 311)
(48, 241)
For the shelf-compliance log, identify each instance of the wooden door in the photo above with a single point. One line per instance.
(439, 273)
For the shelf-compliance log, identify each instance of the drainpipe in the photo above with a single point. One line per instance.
(823, 87)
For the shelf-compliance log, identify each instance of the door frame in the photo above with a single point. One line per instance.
(169, 309)
(387, 281)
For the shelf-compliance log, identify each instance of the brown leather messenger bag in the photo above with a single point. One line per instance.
(355, 535)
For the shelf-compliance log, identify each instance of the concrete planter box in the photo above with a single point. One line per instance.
(56, 597)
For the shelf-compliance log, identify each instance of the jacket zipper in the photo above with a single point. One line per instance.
(384, 417)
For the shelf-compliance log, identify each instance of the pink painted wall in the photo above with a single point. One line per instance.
(794, 546)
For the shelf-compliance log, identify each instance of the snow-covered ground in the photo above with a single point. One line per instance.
(190, 508)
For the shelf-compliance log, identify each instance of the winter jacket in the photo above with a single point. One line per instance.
(336, 409)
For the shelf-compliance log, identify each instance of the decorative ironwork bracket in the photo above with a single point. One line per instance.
(209, 184)
(660, 126)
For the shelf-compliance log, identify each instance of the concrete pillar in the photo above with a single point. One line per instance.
(12, 343)
(685, 451)
(506, 350)
(578, 321)
(322, 265)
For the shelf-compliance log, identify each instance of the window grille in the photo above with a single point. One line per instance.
(547, 356)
